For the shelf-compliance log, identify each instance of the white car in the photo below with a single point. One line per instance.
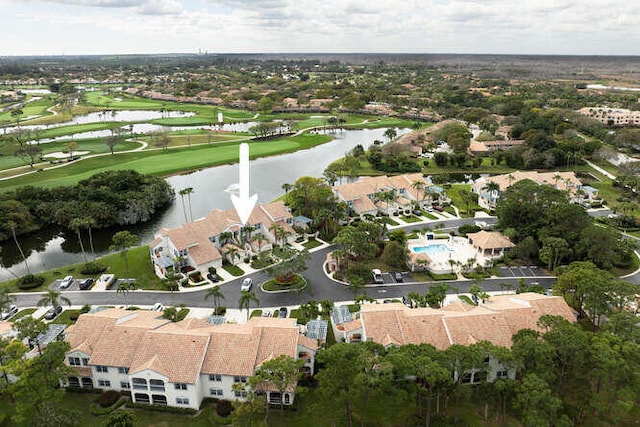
(157, 307)
(66, 282)
(13, 309)
(246, 284)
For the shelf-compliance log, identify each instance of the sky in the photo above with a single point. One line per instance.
(69, 27)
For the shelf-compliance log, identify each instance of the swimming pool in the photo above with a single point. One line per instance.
(437, 248)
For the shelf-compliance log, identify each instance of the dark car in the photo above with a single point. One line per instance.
(439, 208)
(85, 284)
(53, 312)
(398, 277)
(417, 212)
(282, 312)
(213, 277)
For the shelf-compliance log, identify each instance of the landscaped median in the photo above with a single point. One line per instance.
(296, 284)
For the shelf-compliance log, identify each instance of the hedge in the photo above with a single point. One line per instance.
(159, 408)
(30, 281)
(98, 410)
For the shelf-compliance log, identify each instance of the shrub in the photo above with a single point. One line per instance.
(221, 311)
(212, 270)
(93, 267)
(108, 398)
(85, 309)
(224, 408)
(30, 281)
(468, 228)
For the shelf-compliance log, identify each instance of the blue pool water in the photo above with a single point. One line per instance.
(431, 249)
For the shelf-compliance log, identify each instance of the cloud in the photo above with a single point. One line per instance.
(161, 7)
(100, 3)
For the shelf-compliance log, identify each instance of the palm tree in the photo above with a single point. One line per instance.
(122, 241)
(232, 253)
(76, 224)
(419, 187)
(259, 239)
(12, 226)
(182, 193)
(6, 299)
(124, 289)
(90, 222)
(287, 187)
(216, 294)
(493, 189)
(246, 298)
(390, 134)
(189, 191)
(53, 299)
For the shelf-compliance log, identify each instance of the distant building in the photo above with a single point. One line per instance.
(363, 196)
(612, 116)
(565, 181)
(485, 147)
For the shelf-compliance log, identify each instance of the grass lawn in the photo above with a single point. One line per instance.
(66, 317)
(232, 269)
(161, 162)
(34, 108)
(271, 285)
(411, 218)
(139, 268)
(454, 194)
(312, 243)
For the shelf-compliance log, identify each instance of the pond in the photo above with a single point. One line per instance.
(55, 248)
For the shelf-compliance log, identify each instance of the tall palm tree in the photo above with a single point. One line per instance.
(232, 253)
(419, 187)
(76, 224)
(493, 189)
(53, 299)
(246, 298)
(216, 294)
(189, 191)
(124, 289)
(90, 222)
(12, 226)
(183, 193)
(6, 299)
(259, 239)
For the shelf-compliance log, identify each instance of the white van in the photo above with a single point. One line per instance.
(377, 276)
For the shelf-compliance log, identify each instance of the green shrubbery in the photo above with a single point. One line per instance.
(30, 281)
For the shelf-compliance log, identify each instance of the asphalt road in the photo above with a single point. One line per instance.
(320, 286)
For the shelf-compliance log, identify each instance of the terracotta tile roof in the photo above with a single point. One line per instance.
(496, 321)
(307, 342)
(358, 192)
(195, 236)
(5, 327)
(176, 356)
(490, 240)
(354, 325)
(558, 180)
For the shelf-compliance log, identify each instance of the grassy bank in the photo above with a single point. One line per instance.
(163, 162)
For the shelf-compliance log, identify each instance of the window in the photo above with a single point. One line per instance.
(85, 361)
(159, 399)
(139, 384)
(125, 385)
(156, 385)
(123, 370)
(103, 369)
(104, 383)
(257, 226)
(215, 391)
(182, 401)
(180, 386)
(240, 393)
(502, 374)
(74, 361)
(141, 398)
(215, 377)
(466, 378)
(238, 379)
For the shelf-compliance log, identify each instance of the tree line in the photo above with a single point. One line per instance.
(105, 199)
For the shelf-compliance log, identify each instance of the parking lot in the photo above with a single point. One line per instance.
(521, 271)
(388, 278)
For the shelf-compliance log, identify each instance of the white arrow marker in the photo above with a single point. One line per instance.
(243, 202)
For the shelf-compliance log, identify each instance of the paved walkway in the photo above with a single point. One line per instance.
(599, 169)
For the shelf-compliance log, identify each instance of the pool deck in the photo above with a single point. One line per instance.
(459, 250)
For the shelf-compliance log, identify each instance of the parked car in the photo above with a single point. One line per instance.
(387, 301)
(13, 309)
(282, 312)
(417, 212)
(66, 282)
(213, 277)
(53, 312)
(439, 208)
(85, 284)
(247, 283)
(157, 307)
(407, 301)
(266, 313)
(377, 276)
(398, 276)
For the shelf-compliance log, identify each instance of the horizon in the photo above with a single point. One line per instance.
(454, 27)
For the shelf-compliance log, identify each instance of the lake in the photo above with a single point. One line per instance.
(55, 248)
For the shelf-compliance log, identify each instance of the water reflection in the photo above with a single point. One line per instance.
(54, 248)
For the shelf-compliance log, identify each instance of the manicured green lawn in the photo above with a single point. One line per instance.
(139, 268)
(233, 269)
(312, 243)
(163, 162)
(35, 108)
